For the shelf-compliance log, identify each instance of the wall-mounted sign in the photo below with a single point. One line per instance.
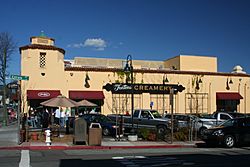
(120, 88)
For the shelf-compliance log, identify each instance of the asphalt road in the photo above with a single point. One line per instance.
(202, 157)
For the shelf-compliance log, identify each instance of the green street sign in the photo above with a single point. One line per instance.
(19, 77)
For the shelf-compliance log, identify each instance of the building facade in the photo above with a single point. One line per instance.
(206, 89)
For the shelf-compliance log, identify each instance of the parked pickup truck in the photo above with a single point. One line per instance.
(145, 118)
(216, 119)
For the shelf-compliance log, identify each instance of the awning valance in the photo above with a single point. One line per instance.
(42, 94)
(88, 95)
(228, 96)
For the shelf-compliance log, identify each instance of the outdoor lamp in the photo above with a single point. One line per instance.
(129, 70)
(165, 79)
(231, 81)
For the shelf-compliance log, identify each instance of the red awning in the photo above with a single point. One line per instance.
(228, 96)
(42, 94)
(75, 94)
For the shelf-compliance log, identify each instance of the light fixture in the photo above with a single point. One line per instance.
(197, 87)
(227, 85)
(231, 81)
(87, 85)
(165, 79)
(87, 77)
(198, 81)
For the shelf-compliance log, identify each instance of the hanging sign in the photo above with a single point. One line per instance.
(120, 88)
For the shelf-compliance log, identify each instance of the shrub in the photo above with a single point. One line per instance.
(143, 133)
(181, 135)
(147, 134)
(151, 136)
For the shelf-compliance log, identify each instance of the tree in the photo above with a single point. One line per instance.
(7, 48)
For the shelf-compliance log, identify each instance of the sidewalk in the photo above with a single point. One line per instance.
(8, 141)
(106, 144)
(8, 135)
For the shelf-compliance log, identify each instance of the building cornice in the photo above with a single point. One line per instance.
(160, 71)
(43, 47)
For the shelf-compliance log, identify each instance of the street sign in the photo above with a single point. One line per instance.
(12, 85)
(19, 77)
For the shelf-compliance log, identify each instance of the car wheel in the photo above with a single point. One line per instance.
(105, 131)
(229, 141)
(201, 130)
(161, 130)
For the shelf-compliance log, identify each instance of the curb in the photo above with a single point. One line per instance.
(93, 147)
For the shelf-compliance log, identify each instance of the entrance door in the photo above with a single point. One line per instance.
(227, 101)
(227, 105)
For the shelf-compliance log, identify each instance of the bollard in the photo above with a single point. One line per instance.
(48, 134)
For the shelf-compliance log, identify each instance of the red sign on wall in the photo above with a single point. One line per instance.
(42, 94)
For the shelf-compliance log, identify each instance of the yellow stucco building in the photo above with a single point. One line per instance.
(206, 89)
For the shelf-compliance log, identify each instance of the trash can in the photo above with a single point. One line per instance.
(80, 131)
(95, 134)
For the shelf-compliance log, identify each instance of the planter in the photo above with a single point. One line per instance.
(34, 136)
(132, 137)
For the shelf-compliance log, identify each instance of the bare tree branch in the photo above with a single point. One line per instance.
(7, 48)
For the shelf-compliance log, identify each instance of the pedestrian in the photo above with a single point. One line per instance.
(12, 115)
(62, 118)
(32, 118)
(92, 111)
(35, 118)
(165, 113)
(67, 115)
(57, 116)
(24, 120)
(127, 113)
(45, 121)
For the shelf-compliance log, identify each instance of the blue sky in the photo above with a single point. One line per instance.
(146, 29)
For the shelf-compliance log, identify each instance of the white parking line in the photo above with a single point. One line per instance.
(25, 159)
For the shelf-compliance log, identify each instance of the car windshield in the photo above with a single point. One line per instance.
(156, 114)
(228, 123)
(105, 119)
(96, 118)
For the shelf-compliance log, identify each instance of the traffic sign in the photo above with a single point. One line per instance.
(19, 77)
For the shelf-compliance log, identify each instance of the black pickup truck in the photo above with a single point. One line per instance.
(144, 118)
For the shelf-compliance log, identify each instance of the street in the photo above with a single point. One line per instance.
(206, 157)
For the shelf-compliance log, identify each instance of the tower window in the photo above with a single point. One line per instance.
(42, 59)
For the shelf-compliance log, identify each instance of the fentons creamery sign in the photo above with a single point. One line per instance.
(118, 88)
(152, 87)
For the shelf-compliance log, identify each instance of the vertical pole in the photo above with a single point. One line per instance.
(172, 112)
(132, 96)
(163, 113)
(245, 98)
(163, 102)
(238, 108)
(18, 112)
(5, 115)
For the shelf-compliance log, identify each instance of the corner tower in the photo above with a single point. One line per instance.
(43, 62)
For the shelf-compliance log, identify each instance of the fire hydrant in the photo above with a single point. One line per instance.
(48, 134)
